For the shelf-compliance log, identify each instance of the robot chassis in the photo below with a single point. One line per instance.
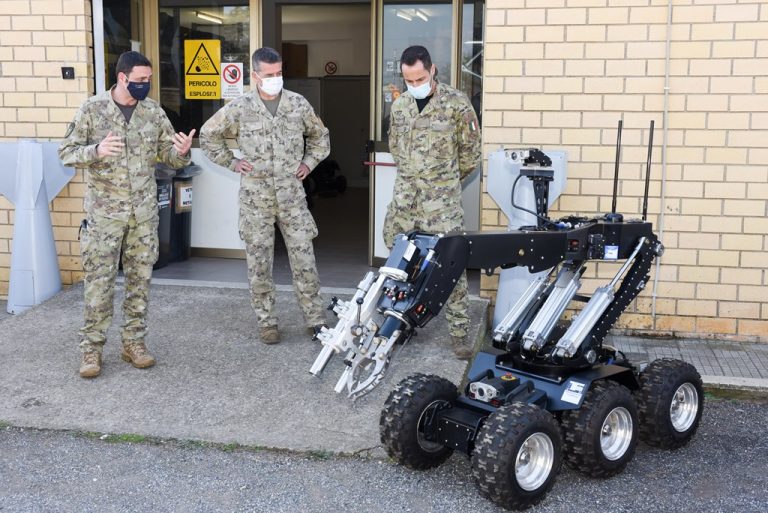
(547, 390)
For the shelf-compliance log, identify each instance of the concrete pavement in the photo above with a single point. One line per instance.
(214, 380)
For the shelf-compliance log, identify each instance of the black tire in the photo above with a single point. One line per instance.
(500, 462)
(401, 424)
(670, 401)
(600, 437)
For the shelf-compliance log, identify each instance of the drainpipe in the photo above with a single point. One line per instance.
(665, 132)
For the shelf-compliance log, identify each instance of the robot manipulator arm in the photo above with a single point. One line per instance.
(408, 291)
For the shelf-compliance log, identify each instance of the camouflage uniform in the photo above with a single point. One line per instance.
(121, 209)
(271, 193)
(434, 151)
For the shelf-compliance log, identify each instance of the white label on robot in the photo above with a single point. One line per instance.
(573, 393)
(611, 252)
(409, 252)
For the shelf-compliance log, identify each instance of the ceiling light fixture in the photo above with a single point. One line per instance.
(401, 14)
(422, 15)
(209, 17)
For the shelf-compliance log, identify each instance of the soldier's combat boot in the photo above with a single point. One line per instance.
(461, 347)
(90, 365)
(137, 354)
(269, 335)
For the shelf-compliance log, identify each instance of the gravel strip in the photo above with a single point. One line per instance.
(722, 470)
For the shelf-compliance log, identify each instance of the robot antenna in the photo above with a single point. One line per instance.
(648, 172)
(616, 171)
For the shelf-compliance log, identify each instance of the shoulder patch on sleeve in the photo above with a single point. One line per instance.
(471, 120)
(70, 129)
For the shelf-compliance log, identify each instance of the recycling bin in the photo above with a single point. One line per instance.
(164, 178)
(181, 213)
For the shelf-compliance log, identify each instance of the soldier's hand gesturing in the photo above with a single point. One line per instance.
(303, 171)
(243, 166)
(110, 146)
(183, 142)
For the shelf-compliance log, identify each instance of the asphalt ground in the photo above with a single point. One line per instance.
(723, 469)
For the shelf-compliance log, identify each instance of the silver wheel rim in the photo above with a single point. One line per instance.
(425, 444)
(534, 461)
(684, 407)
(616, 433)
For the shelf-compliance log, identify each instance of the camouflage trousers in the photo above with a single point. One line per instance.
(402, 217)
(257, 229)
(101, 245)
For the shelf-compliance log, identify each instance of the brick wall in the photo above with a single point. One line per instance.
(560, 73)
(37, 38)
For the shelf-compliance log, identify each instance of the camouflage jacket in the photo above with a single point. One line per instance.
(274, 145)
(440, 144)
(123, 185)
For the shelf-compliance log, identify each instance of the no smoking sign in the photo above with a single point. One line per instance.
(232, 80)
(331, 68)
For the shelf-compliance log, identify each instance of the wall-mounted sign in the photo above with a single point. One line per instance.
(331, 68)
(231, 80)
(202, 65)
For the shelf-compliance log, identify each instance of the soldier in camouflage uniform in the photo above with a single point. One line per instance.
(117, 137)
(270, 125)
(434, 139)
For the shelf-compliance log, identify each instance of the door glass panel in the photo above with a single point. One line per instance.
(227, 21)
(471, 81)
(122, 33)
(406, 24)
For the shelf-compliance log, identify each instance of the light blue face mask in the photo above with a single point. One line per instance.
(422, 91)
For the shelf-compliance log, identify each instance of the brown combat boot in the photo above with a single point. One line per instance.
(90, 365)
(269, 335)
(461, 347)
(137, 354)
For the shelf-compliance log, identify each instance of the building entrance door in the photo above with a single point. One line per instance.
(327, 55)
(452, 32)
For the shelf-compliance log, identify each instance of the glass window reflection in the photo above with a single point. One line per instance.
(122, 33)
(406, 24)
(471, 78)
(228, 23)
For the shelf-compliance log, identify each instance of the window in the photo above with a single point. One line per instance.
(227, 21)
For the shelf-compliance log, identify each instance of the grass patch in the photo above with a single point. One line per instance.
(733, 394)
(134, 438)
(127, 438)
(193, 444)
(89, 434)
(320, 455)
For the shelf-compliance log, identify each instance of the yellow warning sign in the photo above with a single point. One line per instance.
(202, 69)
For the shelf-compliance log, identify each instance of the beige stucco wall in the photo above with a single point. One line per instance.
(37, 38)
(560, 73)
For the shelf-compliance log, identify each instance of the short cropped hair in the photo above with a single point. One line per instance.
(266, 55)
(129, 60)
(416, 53)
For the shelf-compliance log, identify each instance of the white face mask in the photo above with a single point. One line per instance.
(422, 91)
(272, 85)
